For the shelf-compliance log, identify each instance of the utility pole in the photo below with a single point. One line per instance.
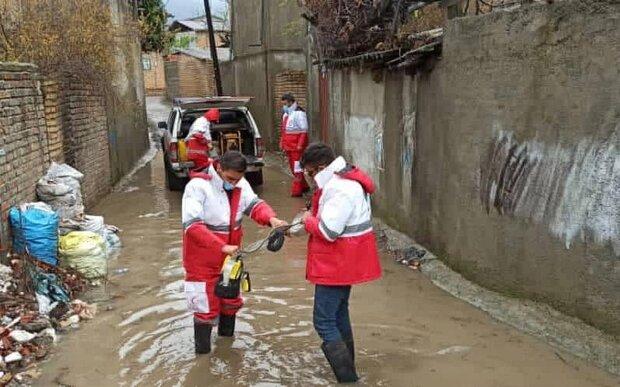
(216, 63)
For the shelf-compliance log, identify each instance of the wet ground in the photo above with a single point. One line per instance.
(409, 333)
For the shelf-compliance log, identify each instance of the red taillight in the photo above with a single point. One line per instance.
(260, 148)
(173, 152)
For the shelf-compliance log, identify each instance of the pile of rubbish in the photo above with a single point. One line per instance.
(58, 251)
(37, 301)
(412, 256)
(56, 230)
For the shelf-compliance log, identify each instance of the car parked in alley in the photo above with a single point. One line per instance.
(236, 129)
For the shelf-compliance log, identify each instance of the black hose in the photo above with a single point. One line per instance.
(275, 241)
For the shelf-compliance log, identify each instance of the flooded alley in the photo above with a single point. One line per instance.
(408, 332)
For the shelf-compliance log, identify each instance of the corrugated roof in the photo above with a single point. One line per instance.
(223, 53)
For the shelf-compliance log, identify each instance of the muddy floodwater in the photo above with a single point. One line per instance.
(408, 332)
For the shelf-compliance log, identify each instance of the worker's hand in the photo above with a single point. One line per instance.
(230, 249)
(275, 222)
(305, 216)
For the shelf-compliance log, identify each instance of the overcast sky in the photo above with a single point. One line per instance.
(184, 9)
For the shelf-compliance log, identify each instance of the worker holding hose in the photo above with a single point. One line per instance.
(342, 250)
(214, 203)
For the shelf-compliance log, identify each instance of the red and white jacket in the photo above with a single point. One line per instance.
(342, 248)
(294, 129)
(212, 220)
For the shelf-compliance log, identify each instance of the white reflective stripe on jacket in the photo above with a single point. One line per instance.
(207, 201)
(200, 125)
(344, 207)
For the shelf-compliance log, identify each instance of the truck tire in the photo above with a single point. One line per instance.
(255, 178)
(173, 182)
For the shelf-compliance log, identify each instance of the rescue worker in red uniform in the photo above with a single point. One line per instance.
(342, 250)
(198, 140)
(293, 140)
(214, 203)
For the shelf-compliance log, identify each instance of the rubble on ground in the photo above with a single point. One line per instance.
(406, 254)
(27, 333)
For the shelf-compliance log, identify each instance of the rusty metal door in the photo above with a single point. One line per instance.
(324, 105)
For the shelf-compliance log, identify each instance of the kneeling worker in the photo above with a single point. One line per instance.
(342, 250)
(214, 203)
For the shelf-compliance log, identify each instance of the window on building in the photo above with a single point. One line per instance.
(146, 63)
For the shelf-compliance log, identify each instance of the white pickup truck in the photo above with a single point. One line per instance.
(236, 129)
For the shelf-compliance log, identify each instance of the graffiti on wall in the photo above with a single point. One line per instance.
(574, 190)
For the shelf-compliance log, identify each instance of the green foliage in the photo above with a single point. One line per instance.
(152, 22)
(62, 36)
(183, 41)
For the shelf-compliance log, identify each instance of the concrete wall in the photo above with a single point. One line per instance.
(505, 158)
(126, 105)
(266, 40)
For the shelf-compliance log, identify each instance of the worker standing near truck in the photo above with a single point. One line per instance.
(214, 203)
(293, 140)
(342, 250)
(198, 140)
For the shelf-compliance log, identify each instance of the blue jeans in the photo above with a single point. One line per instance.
(331, 312)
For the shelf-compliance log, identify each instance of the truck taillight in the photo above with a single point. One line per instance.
(173, 152)
(260, 148)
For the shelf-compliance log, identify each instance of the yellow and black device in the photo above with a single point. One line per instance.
(233, 278)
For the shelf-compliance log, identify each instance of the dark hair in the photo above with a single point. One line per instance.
(288, 97)
(317, 154)
(233, 160)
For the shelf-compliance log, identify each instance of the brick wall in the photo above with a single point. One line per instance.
(187, 76)
(24, 152)
(290, 81)
(53, 119)
(43, 120)
(85, 134)
(154, 78)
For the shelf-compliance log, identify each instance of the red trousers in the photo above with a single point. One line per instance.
(203, 261)
(299, 186)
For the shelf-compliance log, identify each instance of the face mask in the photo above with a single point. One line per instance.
(285, 109)
(228, 186)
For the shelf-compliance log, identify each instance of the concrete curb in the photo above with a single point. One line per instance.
(560, 331)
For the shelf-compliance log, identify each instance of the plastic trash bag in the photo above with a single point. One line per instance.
(85, 252)
(113, 241)
(35, 231)
(61, 189)
(90, 223)
(48, 285)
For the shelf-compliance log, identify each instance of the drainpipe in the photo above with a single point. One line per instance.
(216, 63)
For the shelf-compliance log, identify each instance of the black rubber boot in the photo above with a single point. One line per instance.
(226, 326)
(202, 336)
(339, 358)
